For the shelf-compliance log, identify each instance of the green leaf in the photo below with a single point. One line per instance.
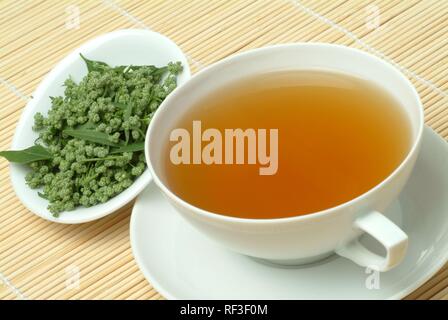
(158, 73)
(90, 135)
(31, 154)
(40, 194)
(120, 105)
(87, 125)
(125, 69)
(121, 69)
(136, 146)
(93, 65)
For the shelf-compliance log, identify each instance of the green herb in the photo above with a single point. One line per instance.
(127, 112)
(91, 136)
(93, 65)
(101, 159)
(94, 134)
(31, 154)
(136, 146)
(40, 194)
(86, 126)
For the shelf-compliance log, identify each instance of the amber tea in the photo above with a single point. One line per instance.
(337, 136)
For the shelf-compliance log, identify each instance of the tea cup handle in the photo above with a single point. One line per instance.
(385, 232)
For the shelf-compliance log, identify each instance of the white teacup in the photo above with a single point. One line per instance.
(305, 238)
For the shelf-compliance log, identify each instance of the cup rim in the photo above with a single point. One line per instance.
(313, 215)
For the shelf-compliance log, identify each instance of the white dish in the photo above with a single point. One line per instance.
(181, 263)
(123, 47)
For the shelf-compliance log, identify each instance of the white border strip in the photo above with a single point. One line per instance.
(199, 65)
(352, 36)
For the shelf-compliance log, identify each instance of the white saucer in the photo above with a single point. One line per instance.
(181, 263)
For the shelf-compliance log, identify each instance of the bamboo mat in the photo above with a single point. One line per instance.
(37, 257)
